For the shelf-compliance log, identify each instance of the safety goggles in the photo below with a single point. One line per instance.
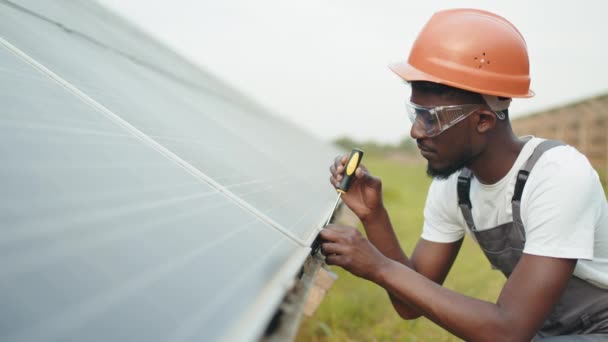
(434, 120)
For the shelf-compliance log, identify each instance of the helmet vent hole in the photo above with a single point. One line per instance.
(481, 60)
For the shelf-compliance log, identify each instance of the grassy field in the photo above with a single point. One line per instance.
(357, 310)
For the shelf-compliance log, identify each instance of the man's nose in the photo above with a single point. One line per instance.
(417, 131)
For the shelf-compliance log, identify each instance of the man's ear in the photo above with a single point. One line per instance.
(486, 121)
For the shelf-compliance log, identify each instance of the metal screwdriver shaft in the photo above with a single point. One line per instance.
(334, 209)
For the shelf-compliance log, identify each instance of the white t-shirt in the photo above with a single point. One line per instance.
(563, 209)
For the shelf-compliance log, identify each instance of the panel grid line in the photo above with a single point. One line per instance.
(168, 154)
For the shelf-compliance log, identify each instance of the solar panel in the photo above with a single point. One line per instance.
(136, 205)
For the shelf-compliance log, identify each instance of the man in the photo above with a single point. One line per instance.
(535, 207)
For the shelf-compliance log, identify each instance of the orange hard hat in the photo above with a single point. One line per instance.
(470, 49)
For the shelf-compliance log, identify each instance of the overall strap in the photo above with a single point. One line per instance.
(522, 178)
(464, 201)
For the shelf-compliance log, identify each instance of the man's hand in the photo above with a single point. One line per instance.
(348, 248)
(364, 197)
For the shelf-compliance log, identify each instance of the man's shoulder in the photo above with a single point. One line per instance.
(562, 170)
(563, 160)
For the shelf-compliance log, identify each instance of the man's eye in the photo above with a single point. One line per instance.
(427, 117)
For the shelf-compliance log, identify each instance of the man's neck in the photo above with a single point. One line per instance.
(497, 159)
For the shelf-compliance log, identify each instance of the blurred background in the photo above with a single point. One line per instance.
(323, 66)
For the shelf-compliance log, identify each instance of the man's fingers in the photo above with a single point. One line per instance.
(368, 179)
(334, 233)
(335, 259)
(340, 160)
(329, 248)
(360, 172)
(329, 234)
(339, 172)
(339, 228)
(336, 171)
(333, 181)
(337, 168)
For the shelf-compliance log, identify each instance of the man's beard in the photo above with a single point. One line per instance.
(446, 172)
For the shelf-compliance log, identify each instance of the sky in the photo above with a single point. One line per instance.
(322, 64)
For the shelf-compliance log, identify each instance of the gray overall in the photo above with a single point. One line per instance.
(582, 308)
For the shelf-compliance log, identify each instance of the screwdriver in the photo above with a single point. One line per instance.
(347, 179)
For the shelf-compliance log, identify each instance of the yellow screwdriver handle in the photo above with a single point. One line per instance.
(349, 170)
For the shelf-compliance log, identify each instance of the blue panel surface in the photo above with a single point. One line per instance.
(102, 238)
(273, 166)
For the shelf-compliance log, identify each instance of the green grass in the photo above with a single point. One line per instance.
(355, 309)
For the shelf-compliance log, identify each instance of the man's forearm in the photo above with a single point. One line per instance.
(466, 317)
(381, 234)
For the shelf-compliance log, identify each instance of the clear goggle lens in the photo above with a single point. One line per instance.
(434, 120)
